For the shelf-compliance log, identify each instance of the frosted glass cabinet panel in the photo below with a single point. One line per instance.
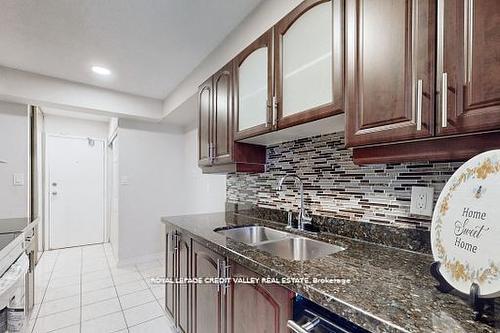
(253, 88)
(252, 103)
(309, 62)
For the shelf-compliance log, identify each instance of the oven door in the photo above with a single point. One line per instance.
(309, 317)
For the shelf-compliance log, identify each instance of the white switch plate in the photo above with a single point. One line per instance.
(422, 200)
(124, 180)
(18, 179)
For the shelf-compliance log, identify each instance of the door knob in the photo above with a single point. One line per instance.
(54, 193)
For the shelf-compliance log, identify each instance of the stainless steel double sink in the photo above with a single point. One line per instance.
(280, 243)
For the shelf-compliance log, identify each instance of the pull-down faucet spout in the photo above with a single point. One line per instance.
(303, 217)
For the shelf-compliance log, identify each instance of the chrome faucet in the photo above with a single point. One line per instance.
(303, 217)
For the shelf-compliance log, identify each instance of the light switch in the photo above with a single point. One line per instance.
(124, 180)
(422, 200)
(18, 179)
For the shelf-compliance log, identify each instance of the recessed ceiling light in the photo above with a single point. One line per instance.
(101, 70)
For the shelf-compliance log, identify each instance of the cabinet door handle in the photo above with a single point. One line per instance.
(444, 100)
(296, 327)
(175, 242)
(419, 105)
(227, 274)
(275, 111)
(307, 327)
(218, 275)
(211, 153)
(270, 109)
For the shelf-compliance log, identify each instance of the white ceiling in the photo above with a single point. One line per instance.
(149, 45)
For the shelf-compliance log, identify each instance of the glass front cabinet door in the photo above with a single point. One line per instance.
(309, 63)
(253, 88)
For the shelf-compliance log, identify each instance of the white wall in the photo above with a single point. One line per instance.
(75, 127)
(14, 150)
(25, 87)
(114, 192)
(151, 186)
(159, 176)
(260, 20)
(206, 192)
(40, 160)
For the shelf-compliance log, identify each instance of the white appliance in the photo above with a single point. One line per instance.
(14, 264)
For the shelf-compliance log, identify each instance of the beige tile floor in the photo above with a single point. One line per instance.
(83, 290)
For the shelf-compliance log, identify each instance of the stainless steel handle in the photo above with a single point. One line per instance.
(290, 219)
(227, 274)
(444, 100)
(218, 275)
(295, 327)
(270, 108)
(54, 193)
(419, 105)
(306, 328)
(175, 242)
(275, 111)
(211, 153)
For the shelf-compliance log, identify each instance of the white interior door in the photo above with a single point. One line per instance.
(76, 191)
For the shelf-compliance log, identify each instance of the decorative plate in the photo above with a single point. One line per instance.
(465, 232)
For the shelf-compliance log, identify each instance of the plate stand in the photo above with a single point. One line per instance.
(480, 306)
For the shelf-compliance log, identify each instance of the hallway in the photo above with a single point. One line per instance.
(82, 289)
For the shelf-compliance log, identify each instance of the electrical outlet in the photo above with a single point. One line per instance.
(422, 199)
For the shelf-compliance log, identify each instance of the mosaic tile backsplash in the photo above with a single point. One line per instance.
(335, 187)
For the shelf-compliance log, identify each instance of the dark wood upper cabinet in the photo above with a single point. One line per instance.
(468, 66)
(223, 115)
(309, 62)
(253, 88)
(205, 107)
(218, 153)
(466, 40)
(390, 51)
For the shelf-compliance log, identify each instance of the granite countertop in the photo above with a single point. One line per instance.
(390, 290)
(13, 225)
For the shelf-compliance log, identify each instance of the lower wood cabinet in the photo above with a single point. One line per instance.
(170, 271)
(209, 303)
(220, 308)
(178, 265)
(183, 290)
(258, 307)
